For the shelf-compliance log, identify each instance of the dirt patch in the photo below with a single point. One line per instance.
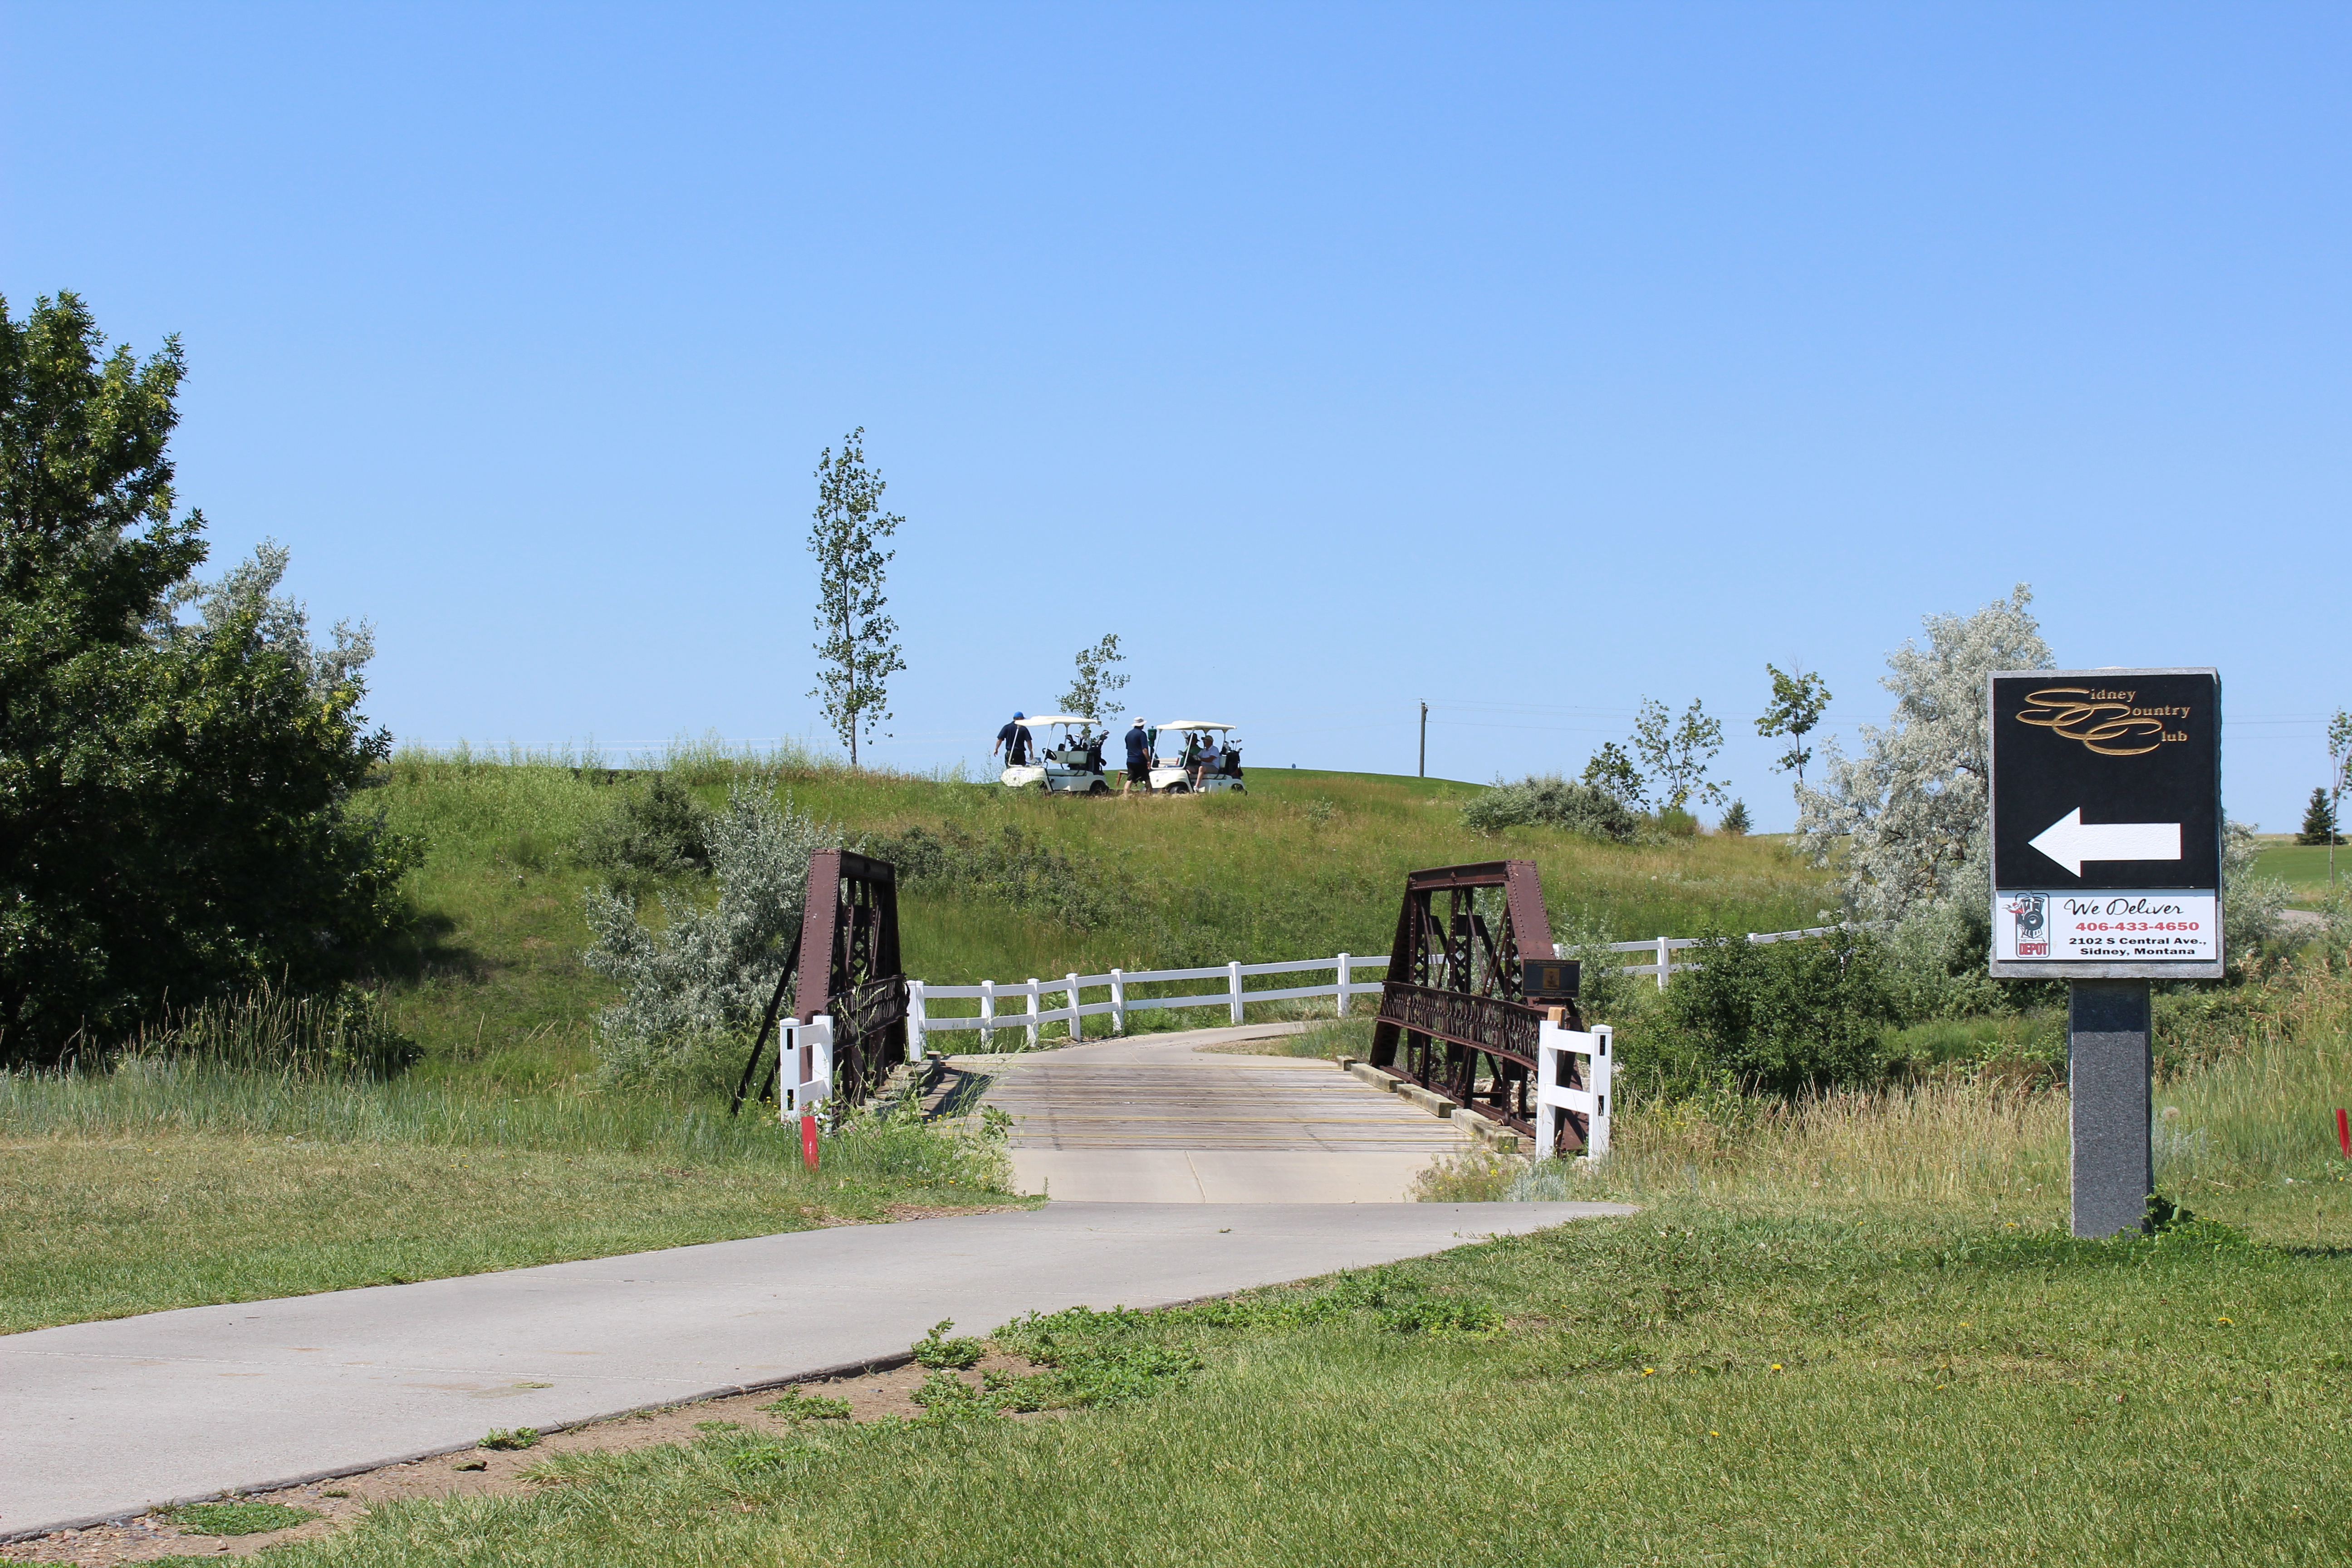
(345, 1501)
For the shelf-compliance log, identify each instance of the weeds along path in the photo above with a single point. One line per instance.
(1171, 1119)
(106, 1419)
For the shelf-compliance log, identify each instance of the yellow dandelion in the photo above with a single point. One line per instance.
(1776, 1366)
(1648, 1370)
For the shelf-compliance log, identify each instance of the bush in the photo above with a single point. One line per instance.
(1735, 820)
(1551, 801)
(1777, 1017)
(696, 986)
(651, 831)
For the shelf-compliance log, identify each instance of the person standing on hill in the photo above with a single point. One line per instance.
(1013, 739)
(1138, 759)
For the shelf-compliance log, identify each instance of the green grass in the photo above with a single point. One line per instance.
(2303, 867)
(152, 1188)
(1696, 1385)
(245, 1518)
(1305, 865)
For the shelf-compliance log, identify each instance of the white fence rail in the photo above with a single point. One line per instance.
(1555, 1096)
(807, 1053)
(1665, 947)
(1030, 1011)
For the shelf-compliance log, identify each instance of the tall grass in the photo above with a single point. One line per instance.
(154, 1098)
(2257, 1116)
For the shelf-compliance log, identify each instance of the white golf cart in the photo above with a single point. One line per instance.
(1071, 764)
(1194, 770)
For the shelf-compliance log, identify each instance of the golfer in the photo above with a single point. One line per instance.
(1138, 759)
(1013, 739)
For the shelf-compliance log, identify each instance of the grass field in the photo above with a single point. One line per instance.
(2303, 867)
(148, 1189)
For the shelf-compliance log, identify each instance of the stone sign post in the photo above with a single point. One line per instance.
(2106, 873)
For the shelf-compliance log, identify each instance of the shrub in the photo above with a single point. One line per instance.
(696, 986)
(1549, 800)
(1779, 1018)
(1735, 820)
(655, 830)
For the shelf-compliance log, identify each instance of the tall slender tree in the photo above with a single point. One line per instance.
(1799, 700)
(859, 652)
(1096, 681)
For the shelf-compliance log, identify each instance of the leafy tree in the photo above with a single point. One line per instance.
(1910, 811)
(858, 655)
(1612, 772)
(1798, 704)
(1735, 820)
(2319, 820)
(1674, 753)
(2340, 764)
(1095, 687)
(173, 795)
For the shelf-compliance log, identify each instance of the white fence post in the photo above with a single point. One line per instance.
(1555, 1098)
(914, 1020)
(987, 1015)
(1233, 973)
(1340, 992)
(1078, 1024)
(1033, 1012)
(1666, 960)
(1119, 1001)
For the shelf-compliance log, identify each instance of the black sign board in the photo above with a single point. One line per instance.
(2107, 823)
(1550, 979)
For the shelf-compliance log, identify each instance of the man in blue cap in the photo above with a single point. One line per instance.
(1138, 758)
(1014, 741)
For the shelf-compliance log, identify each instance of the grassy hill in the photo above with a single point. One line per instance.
(1306, 864)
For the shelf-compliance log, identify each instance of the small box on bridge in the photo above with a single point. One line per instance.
(1550, 979)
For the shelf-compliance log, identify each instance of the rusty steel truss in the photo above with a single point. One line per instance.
(1455, 1017)
(844, 963)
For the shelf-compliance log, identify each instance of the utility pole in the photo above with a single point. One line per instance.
(1422, 770)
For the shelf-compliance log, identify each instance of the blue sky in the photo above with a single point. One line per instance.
(1528, 360)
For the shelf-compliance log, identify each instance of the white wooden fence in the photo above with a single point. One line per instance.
(1030, 1011)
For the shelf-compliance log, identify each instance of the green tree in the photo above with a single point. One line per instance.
(1674, 753)
(1095, 687)
(1798, 704)
(1735, 822)
(2340, 764)
(858, 655)
(1612, 772)
(173, 795)
(2319, 820)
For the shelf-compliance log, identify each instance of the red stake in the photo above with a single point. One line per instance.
(2344, 1133)
(808, 1139)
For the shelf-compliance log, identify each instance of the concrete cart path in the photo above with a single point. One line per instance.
(1158, 1118)
(100, 1420)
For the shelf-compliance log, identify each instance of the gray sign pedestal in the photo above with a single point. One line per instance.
(2109, 1070)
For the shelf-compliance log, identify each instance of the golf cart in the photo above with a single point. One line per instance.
(1071, 764)
(1187, 774)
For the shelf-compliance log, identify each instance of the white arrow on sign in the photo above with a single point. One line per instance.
(2070, 841)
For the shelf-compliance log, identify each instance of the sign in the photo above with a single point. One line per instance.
(2106, 824)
